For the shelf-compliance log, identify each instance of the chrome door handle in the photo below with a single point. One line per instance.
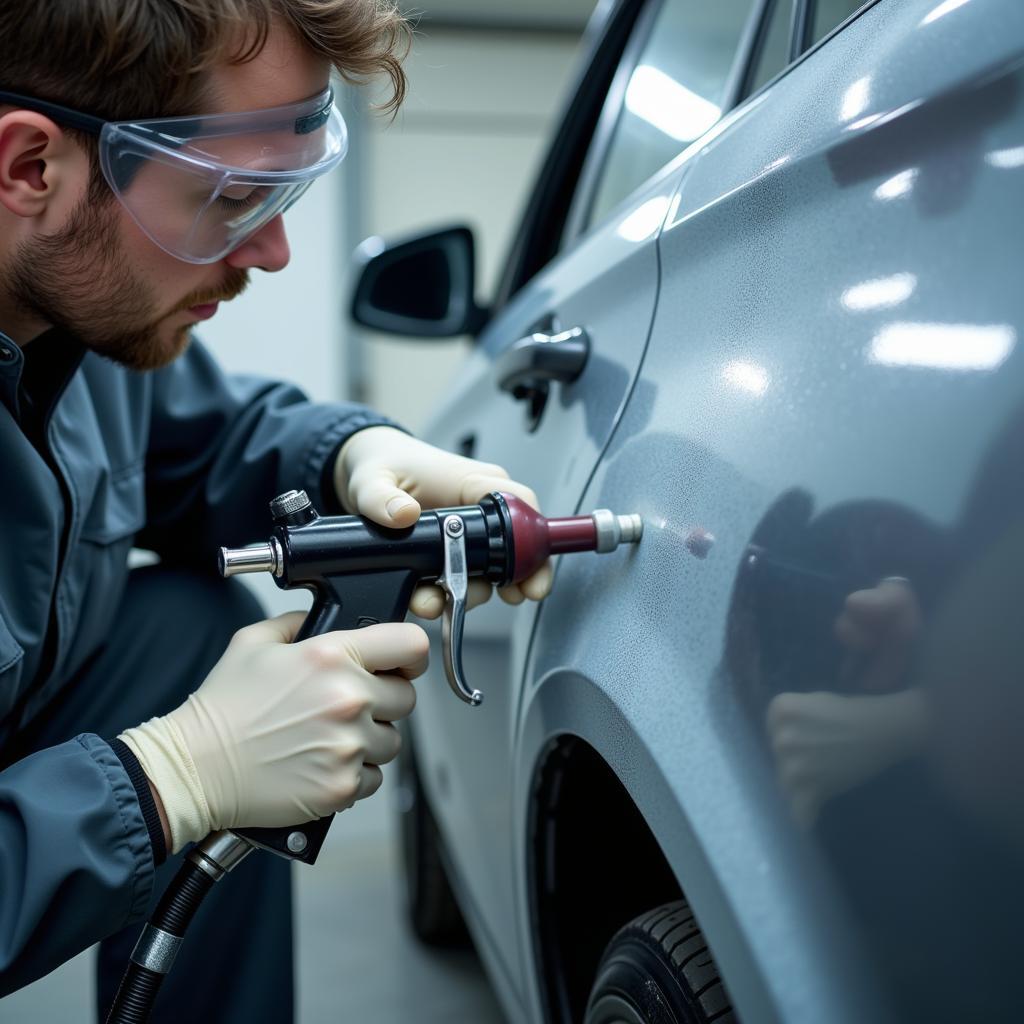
(540, 358)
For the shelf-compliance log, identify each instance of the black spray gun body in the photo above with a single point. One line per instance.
(360, 574)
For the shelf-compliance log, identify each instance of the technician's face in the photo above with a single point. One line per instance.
(98, 281)
(124, 297)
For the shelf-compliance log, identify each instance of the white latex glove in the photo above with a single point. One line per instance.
(390, 477)
(281, 733)
(826, 743)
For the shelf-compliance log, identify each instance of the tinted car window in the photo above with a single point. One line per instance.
(773, 52)
(674, 95)
(828, 14)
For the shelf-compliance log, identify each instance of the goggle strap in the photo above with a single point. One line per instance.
(94, 125)
(311, 122)
(62, 115)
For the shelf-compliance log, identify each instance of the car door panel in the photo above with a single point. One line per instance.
(830, 403)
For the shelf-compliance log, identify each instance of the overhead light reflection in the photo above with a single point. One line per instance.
(668, 105)
(943, 346)
(644, 221)
(942, 10)
(855, 99)
(747, 376)
(898, 185)
(880, 293)
(1006, 159)
(862, 122)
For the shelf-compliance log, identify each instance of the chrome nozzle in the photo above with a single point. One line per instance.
(258, 558)
(613, 530)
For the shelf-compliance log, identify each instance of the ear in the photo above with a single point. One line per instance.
(37, 162)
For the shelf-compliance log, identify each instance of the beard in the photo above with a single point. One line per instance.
(80, 280)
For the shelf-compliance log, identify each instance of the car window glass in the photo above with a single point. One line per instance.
(674, 95)
(828, 14)
(773, 53)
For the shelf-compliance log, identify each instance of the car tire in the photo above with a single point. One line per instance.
(658, 970)
(433, 913)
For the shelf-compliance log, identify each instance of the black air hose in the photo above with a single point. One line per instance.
(158, 944)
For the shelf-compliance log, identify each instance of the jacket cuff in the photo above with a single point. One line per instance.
(147, 804)
(319, 463)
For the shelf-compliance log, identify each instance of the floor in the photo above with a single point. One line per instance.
(389, 979)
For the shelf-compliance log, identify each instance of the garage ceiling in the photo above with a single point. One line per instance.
(525, 14)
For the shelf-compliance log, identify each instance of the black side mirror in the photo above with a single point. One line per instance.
(421, 286)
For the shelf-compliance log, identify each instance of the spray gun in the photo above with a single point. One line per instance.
(361, 574)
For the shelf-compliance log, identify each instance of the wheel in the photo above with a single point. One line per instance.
(658, 970)
(433, 913)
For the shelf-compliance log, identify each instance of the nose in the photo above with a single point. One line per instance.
(266, 250)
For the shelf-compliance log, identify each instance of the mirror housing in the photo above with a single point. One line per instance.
(422, 286)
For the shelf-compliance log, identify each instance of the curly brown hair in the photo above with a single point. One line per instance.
(124, 59)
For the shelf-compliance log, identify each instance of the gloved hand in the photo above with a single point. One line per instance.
(387, 476)
(281, 733)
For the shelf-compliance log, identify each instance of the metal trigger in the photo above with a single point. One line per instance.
(455, 583)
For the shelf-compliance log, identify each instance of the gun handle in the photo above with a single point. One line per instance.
(344, 602)
(351, 602)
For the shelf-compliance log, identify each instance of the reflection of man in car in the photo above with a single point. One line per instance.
(882, 658)
(832, 601)
(850, 685)
(827, 743)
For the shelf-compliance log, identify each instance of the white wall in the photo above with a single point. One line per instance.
(464, 149)
(288, 325)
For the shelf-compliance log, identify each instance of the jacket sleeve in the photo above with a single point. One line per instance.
(221, 446)
(76, 862)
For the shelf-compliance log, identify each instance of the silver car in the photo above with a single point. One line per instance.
(769, 764)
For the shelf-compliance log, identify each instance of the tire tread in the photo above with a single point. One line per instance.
(678, 954)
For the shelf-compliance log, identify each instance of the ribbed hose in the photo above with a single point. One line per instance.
(136, 995)
(140, 985)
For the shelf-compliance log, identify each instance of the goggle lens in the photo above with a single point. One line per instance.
(201, 197)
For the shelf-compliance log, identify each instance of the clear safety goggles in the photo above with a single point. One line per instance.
(200, 186)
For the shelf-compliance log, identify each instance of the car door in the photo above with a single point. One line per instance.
(828, 460)
(602, 280)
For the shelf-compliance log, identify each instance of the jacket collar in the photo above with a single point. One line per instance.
(12, 362)
(46, 367)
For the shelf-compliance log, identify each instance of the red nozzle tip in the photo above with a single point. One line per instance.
(535, 537)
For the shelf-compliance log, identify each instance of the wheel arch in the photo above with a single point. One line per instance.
(601, 818)
(779, 936)
(570, 927)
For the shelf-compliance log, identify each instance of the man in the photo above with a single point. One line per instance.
(147, 152)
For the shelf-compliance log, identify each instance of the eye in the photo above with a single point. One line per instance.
(236, 205)
(242, 197)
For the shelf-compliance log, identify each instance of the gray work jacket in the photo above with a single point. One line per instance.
(179, 461)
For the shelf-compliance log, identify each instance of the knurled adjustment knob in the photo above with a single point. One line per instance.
(293, 508)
